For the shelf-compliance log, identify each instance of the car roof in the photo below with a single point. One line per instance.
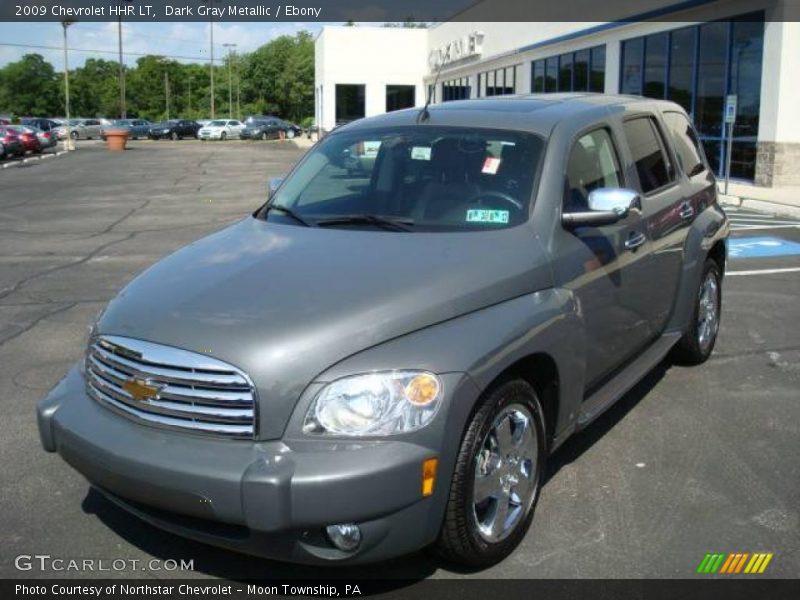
(535, 113)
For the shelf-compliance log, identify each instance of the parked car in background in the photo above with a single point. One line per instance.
(221, 129)
(270, 128)
(137, 128)
(11, 142)
(372, 364)
(27, 135)
(5, 120)
(2, 150)
(174, 129)
(81, 129)
(46, 139)
(43, 124)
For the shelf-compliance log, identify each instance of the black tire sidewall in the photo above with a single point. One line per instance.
(509, 392)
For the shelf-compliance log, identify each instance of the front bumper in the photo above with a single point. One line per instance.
(271, 499)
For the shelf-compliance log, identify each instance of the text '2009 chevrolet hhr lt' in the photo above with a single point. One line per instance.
(383, 356)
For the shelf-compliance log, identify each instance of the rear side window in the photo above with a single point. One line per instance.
(687, 146)
(592, 164)
(648, 154)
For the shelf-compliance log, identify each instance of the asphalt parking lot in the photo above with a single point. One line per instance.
(693, 460)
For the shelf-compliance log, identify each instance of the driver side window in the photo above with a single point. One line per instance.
(593, 163)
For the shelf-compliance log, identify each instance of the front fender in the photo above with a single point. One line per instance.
(484, 343)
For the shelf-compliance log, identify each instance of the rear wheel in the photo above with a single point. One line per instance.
(73, 135)
(698, 342)
(289, 134)
(497, 477)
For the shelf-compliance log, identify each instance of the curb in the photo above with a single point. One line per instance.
(30, 159)
(776, 208)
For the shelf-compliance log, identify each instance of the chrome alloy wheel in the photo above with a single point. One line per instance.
(505, 473)
(708, 312)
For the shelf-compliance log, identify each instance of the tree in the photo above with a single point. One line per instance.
(29, 87)
(278, 77)
(94, 89)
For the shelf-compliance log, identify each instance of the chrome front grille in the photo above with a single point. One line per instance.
(171, 388)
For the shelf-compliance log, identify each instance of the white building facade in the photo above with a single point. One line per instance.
(697, 58)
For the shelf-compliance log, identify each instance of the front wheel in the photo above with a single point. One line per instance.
(175, 137)
(74, 135)
(289, 134)
(698, 342)
(497, 477)
(222, 136)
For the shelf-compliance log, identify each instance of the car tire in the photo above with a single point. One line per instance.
(289, 134)
(698, 341)
(174, 136)
(505, 441)
(264, 135)
(222, 136)
(73, 135)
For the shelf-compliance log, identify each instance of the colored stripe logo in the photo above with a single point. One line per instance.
(735, 563)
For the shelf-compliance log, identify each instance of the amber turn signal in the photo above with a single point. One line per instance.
(429, 475)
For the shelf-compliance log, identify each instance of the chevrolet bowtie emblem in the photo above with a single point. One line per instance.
(142, 389)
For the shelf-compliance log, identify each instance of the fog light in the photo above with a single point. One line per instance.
(345, 536)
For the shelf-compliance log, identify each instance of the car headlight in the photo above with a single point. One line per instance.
(383, 403)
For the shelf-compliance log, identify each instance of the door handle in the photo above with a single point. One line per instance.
(635, 239)
(686, 212)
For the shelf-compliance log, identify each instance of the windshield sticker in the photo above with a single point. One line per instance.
(420, 153)
(490, 165)
(475, 215)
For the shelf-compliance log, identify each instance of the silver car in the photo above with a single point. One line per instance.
(383, 358)
(81, 129)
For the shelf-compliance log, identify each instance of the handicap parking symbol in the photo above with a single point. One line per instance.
(762, 247)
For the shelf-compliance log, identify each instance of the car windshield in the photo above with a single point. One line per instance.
(217, 124)
(423, 177)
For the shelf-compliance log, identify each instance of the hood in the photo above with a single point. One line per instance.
(284, 303)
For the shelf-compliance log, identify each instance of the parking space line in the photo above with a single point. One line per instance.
(765, 271)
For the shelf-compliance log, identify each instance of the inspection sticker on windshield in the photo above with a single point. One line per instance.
(421, 153)
(475, 215)
(490, 165)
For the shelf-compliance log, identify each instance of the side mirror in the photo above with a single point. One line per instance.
(606, 206)
(273, 185)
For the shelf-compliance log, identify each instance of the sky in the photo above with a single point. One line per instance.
(189, 40)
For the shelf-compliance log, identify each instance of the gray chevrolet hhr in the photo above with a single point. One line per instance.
(383, 356)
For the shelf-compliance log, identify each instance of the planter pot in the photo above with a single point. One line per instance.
(117, 139)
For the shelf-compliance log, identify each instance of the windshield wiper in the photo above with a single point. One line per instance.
(288, 211)
(368, 219)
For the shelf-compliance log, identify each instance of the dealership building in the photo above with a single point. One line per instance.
(696, 53)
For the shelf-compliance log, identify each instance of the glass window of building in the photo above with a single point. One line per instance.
(537, 77)
(350, 102)
(581, 71)
(456, 89)
(597, 76)
(655, 65)
(565, 73)
(697, 67)
(499, 82)
(400, 96)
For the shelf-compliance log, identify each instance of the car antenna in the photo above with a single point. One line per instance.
(424, 115)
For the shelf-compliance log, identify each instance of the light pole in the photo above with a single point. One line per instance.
(68, 143)
(123, 111)
(230, 79)
(166, 90)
